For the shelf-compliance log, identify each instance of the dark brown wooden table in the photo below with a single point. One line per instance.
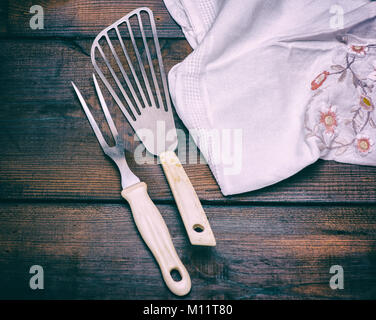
(60, 197)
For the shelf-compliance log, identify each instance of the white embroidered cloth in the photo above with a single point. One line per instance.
(274, 85)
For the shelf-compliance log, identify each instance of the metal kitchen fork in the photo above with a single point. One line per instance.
(146, 215)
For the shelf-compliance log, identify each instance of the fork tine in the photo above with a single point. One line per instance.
(105, 109)
(91, 119)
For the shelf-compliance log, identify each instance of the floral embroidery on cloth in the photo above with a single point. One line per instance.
(341, 113)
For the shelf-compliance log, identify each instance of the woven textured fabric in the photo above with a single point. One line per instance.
(273, 85)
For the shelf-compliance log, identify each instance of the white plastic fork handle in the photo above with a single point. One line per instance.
(154, 231)
(189, 205)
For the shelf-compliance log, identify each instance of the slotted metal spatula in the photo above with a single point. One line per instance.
(141, 92)
(146, 215)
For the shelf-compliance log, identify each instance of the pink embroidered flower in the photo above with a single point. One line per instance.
(319, 80)
(359, 50)
(328, 118)
(366, 103)
(363, 144)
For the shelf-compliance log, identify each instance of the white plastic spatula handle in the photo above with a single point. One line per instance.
(189, 205)
(154, 231)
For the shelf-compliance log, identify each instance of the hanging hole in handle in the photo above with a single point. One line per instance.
(198, 228)
(175, 275)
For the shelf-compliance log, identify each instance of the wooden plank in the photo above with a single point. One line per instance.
(73, 18)
(3, 17)
(93, 251)
(50, 152)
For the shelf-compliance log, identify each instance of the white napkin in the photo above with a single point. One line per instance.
(274, 85)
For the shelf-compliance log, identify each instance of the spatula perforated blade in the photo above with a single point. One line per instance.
(131, 68)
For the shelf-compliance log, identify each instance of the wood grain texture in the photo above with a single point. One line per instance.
(60, 202)
(50, 152)
(93, 251)
(3, 17)
(83, 18)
